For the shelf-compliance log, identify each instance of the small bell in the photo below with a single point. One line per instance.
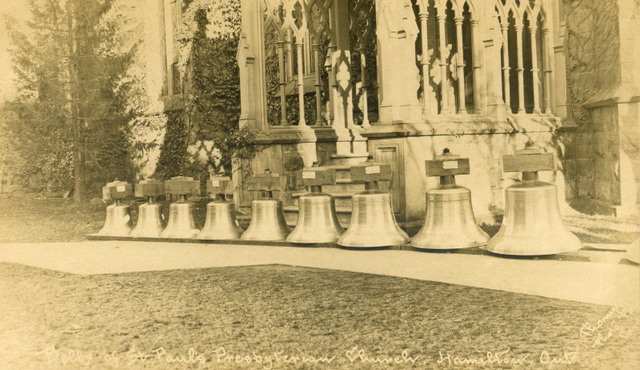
(221, 221)
(373, 223)
(149, 223)
(317, 218)
(267, 214)
(181, 224)
(532, 224)
(450, 222)
(118, 221)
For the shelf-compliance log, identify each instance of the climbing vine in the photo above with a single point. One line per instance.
(208, 37)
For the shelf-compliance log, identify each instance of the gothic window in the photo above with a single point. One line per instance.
(445, 50)
(301, 60)
(296, 34)
(524, 60)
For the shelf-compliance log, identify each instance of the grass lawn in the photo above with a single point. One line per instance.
(288, 317)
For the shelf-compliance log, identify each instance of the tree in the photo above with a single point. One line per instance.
(70, 113)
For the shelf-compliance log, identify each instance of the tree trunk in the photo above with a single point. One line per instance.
(80, 192)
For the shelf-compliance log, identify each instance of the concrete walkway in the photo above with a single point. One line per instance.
(605, 283)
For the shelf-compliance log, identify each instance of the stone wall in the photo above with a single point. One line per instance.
(601, 152)
(592, 52)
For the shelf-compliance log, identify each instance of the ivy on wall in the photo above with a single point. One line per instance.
(592, 51)
(173, 149)
(209, 38)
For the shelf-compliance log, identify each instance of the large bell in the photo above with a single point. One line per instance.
(118, 222)
(267, 221)
(532, 224)
(373, 223)
(221, 222)
(317, 220)
(181, 224)
(149, 221)
(449, 223)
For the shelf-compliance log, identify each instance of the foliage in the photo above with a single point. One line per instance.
(209, 37)
(68, 65)
(173, 149)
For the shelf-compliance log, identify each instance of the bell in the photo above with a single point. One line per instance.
(149, 221)
(221, 222)
(181, 224)
(373, 223)
(221, 215)
(317, 218)
(118, 222)
(267, 214)
(450, 223)
(532, 224)
(267, 221)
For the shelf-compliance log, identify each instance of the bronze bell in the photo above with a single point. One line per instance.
(267, 215)
(532, 224)
(181, 224)
(317, 218)
(149, 223)
(149, 214)
(373, 223)
(118, 221)
(450, 222)
(221, 221)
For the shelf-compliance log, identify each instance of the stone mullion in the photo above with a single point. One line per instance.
(318, 83)
(520, 68)
(302, 123)
(363, 80)
(534, 69)
(547, 71)
(444, 79)
(462, 108)
(282, 82)
(505, 68)
(289, 45)
(477, 75)
(332, 82)
(424, 62)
